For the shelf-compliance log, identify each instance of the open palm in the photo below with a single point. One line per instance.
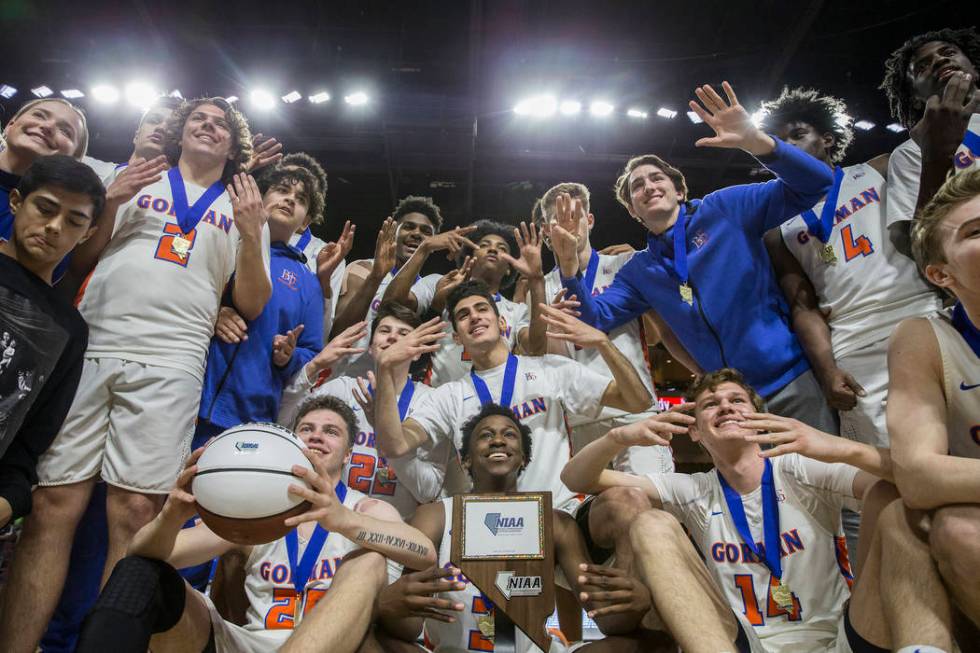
(730, 121)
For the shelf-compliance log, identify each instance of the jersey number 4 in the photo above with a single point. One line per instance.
(854, 247)
(745, 586)
(165, 248)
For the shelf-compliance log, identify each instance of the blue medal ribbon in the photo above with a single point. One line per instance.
(300, 571)
(591, 270)
(970, 333)
(678, 266)
(770, 521)
(404, 399)
(972, 142)
(823, 226)
(304, 239)
(188, 217)
(506, 392)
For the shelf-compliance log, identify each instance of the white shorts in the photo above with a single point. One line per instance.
(131, 421)
(232, 638)
(866, 421)
(636, 460)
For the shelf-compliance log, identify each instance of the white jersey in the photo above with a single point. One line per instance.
(145, 303)
(872, 287)
(106, 170)
(547, 390)
(628, 338)
(360, 364)
(905, 166)
(961, 385)
(419, 478)
(451, 362)
(272, 601)
(463, 634)
(810, 495)
(311, 248)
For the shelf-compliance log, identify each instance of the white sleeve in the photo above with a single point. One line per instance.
(439, 412)
(424, 290)
(267, 251)
(522, 320)
(330, 306)
(579, 388)
(422, 472)
(902, 188)
(683, 496)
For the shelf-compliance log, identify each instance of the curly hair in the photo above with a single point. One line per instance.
(905, 107)
(304, 160)
(241, 135)
(486, 228)
(487, 411)
(419, 204)
(827, 114)
(287, 175)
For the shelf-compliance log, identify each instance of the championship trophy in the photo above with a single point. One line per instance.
(503, 543)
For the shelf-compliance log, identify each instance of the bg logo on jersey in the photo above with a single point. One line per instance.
(500, 525)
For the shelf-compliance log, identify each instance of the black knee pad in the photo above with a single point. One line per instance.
(146, 589)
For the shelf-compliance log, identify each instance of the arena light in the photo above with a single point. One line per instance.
(262, 99)
(291, 97)
(636, 113)
(72, 93)
(601, 108)
(570, 107)
(319, 98)
(176, 93)
(694, 117)
(140, 94)
(42, 91)
(357, 99)
(893, 127)
(7, 91)
(105, 93)
(864, 125)
(758, 116)
(664, 112)
(539, 106)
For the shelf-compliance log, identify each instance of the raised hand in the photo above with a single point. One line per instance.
(412, 595)
(568, 305)
(384, 249)
(137, 175)
(331, 254)
(325, 508)
(449, 281)
(265, 152)
(284, 345)
(230, 327)
(529, 246)
(945, 119)
(452, 241)
(180, 501)
(364, 397)
(788, 435)
(658, 429)
(841, 389)
(616, 250)
(731, 122)
(608, 590)
(563, 326)
(246, 201)
(339, 348)
(421, 340)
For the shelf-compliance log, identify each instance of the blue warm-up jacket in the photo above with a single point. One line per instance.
(739, 317)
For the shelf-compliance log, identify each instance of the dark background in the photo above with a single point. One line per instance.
(444, 77)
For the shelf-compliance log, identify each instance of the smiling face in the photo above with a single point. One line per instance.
(477, 324)
(389, 331)
(495, 450)
(324, 432)
(148, 141)
(207, 133)
(413, 228)
(719, 414)
(653, 196)
(287, 204)
(46, 128)
(933, 64)
(49, 223)
(960, 238)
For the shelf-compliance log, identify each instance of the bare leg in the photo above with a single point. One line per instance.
(377, 642)
(610, 517)
(683, 592)
(191, 633)
(126, 513)
(876, 499)
(954, 540)
(644, 642)
(40, 564)
(349, 602)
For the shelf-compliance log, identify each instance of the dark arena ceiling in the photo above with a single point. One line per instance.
(443, 79)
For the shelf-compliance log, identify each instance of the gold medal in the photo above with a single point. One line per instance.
(827, 254)
(383, 474)
(486, 625)
(782, 595)
(687, 294)
(180, 246)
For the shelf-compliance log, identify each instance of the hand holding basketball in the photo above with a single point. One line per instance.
(325, 506)
(180, 502)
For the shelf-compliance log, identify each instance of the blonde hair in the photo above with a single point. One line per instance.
(82, 146)
(927, 233)
(711, 381)
(241, 135)
(574, 190)
(622, 184)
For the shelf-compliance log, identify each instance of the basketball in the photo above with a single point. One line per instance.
(242, 482)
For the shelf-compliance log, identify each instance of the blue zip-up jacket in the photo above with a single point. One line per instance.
(241, 383)
(739, 317)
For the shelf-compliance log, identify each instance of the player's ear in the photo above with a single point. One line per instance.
(15, 201)
(88, 233)
(936, 273)
(828, 141)
(591, 219)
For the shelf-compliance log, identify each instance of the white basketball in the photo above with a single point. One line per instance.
(244, 473)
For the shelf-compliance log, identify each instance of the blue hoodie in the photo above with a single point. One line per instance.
(738, 317)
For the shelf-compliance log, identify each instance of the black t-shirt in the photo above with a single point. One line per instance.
(42, 341)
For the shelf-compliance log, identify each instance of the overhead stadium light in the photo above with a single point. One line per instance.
(105, 93)
(7, 91)
(539, 106)
(140, 94)
(294, 96)
(864, 125)
(758, 117)
(664, 112)
(176, 93)
(637, 113)
(356, 99)
(319, 98)
(42, 91)
(570, 107)
(72, 93)
(694, 117)
(601, 108)
(262, 99)
(892, 126)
